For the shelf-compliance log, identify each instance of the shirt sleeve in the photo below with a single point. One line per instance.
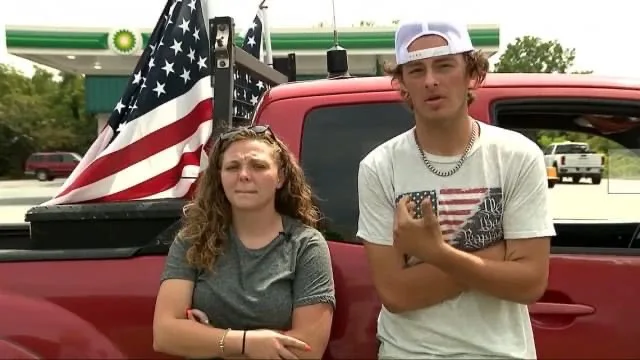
(176, 265)
(313, 282)
(375, 221)
(527, 213)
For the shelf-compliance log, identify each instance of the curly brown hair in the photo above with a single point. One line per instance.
(477, 66)
(207, 218)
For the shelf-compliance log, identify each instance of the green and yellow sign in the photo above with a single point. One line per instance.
(124, 41)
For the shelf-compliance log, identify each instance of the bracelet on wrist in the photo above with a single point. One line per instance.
(222, 340)
(244, 338)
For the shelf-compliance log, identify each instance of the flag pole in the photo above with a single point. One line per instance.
(266, 33)
(208, 14)
(211, 32)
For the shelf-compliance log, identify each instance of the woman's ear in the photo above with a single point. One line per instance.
(281, 179)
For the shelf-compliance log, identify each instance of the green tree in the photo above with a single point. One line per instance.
(530, 54)
(41, 113)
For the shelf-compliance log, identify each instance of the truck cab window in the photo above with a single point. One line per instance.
(334, 140)
(597, 163)
(573, 148)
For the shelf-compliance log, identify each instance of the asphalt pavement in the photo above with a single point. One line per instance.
(18, 196)
(612, 200)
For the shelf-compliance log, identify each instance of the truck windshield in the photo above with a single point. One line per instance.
(572, 149)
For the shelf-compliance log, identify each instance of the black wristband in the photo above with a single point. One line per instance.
(244, 337)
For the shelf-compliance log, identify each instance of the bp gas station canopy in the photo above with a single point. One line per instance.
(108, 56)
(94, 51)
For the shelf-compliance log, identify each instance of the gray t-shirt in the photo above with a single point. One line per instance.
(258, 289)
(499, 193)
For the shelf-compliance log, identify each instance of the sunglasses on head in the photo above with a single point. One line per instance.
(257, 129)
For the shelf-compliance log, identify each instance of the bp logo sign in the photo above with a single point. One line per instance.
(125, 41)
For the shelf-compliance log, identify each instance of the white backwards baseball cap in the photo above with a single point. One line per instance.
(456, 34)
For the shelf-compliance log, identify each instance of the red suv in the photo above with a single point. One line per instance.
(50, 165)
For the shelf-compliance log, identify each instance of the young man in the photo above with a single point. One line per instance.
(453, 213)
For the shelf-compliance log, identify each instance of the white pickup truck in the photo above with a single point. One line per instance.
(575, 160)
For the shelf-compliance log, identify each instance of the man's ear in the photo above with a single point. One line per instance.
(397, 84)
(473, 84)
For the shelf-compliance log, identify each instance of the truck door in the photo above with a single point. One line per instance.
(590, 308)
(335, 133)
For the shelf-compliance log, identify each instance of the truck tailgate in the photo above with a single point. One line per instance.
(583, 160)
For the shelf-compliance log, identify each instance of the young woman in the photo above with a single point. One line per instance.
(249, 258)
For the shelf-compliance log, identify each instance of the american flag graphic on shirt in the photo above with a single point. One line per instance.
(456, 207)
(470, 218)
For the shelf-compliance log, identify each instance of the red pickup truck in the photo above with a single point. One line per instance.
(63, 302)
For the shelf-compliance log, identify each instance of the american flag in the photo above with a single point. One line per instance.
(456, 207)
(247, 90)
(468, 217)
(155, 142)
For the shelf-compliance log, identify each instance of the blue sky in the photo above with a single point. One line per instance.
(599, 31)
